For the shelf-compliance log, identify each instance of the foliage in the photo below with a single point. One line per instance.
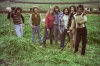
(22, 52)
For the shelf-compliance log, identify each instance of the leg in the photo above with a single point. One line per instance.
(63, 38)
(39, 36)
(71, 39)
(33, 33)
(74, 38)
(21, 29)
(56, 33)
(17, 29)
(45, 34)
(78, 38)
(51, 36)
(45, 37)
(68, 36)
(84, 35)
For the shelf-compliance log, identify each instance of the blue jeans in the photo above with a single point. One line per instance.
(63, 36)
(19, 30)
(56, 33)
(36, 28)
(46, 34)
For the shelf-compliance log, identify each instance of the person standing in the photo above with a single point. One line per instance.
(35, 22)
(63, 26)
(57, 15)
(73, 32)
(17, 16)
(49, 23)
(80, 22)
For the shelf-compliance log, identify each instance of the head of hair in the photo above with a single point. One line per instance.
(56, 7)
(30, 9)
(18, 8)
(13, 8)
(65, 9)
(36, 8)
(73, 7)
(80, 6)
(48, 12)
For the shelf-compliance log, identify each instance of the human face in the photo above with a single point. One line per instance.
(35, 10)
(66, 11)
(51, 11)
(72, 9)
(79, 10)
(57, 10)
(18, 11)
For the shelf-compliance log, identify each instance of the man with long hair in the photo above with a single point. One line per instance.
(17, 16)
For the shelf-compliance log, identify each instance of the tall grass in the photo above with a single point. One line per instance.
(22, 52)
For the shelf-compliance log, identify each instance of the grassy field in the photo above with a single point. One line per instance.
(22, 52)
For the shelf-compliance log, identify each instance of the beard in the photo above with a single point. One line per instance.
(56, 11)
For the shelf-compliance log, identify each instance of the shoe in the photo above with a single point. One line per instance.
(62, 46)
(51, 42)
(75, 51)
(73, 46)
(83, 55)
(56, 43)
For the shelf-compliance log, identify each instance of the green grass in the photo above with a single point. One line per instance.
(22, 52)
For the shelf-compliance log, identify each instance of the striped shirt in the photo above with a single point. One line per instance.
(17, 19)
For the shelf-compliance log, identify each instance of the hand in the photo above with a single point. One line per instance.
(10, 10)
(39, 25)
(79, 24)
(22, 25)
(68, 31)
(47, 29)
(32, 26)
(60, 32)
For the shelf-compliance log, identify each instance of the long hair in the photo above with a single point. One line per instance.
(73, 7)
(18, 8)
(13, 8)
(64, 11)
(56, 7)
(48, 12)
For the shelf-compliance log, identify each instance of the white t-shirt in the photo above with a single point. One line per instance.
(65, 18)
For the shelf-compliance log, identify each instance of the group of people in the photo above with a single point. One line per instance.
(71, 22)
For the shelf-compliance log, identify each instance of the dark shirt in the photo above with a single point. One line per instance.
(16, 18)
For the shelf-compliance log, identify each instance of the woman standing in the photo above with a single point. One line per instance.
(73, 32)
(49, 23)
(63, 26)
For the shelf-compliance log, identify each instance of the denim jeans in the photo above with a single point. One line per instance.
(46, 34)
(34, 30)
(56, 33)
(19, 30)
(63, 36)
